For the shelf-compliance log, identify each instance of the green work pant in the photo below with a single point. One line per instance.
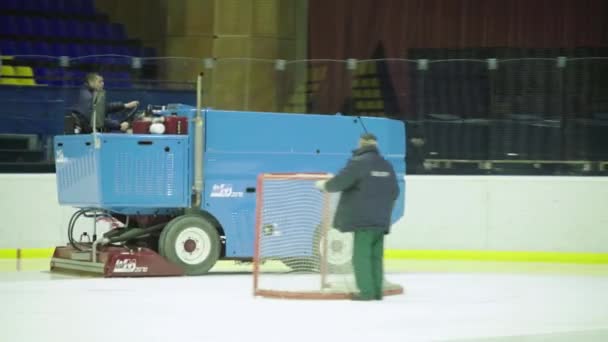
(368, 262)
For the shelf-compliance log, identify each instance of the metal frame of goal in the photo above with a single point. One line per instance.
(297, 254)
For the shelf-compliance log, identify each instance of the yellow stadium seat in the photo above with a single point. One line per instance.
(5, 75)
(28, 75)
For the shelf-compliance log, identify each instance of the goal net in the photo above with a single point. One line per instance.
(297, 253)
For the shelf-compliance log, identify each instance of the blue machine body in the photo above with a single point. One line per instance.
(154, 174)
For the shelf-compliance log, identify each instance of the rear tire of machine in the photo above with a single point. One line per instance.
(179, 228)
(338, 262)
(311, 264)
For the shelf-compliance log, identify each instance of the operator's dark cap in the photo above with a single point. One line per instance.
(368, 137)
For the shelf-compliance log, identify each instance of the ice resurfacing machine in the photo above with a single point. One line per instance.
(181, 200)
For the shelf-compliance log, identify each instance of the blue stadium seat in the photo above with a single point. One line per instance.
(104, 31)
(79, 77)
(8, 48)
(59, 77)
(63, 49)
(56, 49)
(87, 7)
(73, 78)
(90, 49)
(39, 27)
(106, 50)
(88, 54)
(108, 31)
(10, 4)
(109, 79)
(117, 32)
(41, 75)
(68, 78)
(5, 26)
(127, 51)
(117, 79)
(48, 6)
(56, 28)
(33, 5)
(101, 50)
(23, 25)
(57, 6)
(49, 76)
(74, 29)
(80, 50)
(72, 50)
(23, 47)
(125, 79)
(78, 6)
(8, 25)
(40, 48)
(123, 50)
(90, 30)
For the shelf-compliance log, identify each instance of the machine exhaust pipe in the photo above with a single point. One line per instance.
(199, 140)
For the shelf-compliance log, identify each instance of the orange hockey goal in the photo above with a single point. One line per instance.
(297, 254)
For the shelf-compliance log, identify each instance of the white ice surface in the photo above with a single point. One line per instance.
(435, 307)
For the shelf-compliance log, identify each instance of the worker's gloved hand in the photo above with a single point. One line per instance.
(131, 105)
(320, 184)
(124, 126)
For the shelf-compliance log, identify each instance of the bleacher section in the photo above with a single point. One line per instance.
(35, 33)
(530, 114)
(471, 110)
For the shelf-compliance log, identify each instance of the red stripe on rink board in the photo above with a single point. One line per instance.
(18, 259)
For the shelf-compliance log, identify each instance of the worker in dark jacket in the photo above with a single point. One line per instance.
(92, 104)
(369, 190)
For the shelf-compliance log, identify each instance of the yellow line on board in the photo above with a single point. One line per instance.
(8, 253)
(27, 253)
(509, 256)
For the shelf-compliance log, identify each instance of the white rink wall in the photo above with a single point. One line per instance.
(493, 213)
(504, 213)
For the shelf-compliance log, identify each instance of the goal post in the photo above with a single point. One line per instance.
(297, 253)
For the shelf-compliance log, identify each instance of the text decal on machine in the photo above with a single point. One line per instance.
(224, 190)
(129, 266)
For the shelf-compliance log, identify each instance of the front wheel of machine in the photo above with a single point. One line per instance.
(190, 242)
